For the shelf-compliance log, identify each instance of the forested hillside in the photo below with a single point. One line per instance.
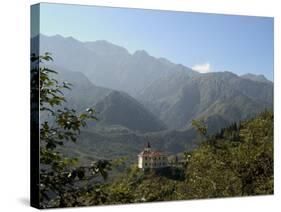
(237, 161)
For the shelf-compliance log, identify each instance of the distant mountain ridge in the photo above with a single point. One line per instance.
(108, 65)
(118, 108)
(112, 107)
(177, 99)
(172, 92)
(258, 78)
(140, 98)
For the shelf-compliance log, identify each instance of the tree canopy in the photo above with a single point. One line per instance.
(62, 182)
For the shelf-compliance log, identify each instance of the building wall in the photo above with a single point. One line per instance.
(152, 161)
(140, 162)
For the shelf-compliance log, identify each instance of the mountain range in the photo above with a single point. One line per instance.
(139, 97)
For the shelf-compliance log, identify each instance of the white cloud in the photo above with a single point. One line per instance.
(202, 68)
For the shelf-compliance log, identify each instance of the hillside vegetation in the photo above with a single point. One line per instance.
(237, 161)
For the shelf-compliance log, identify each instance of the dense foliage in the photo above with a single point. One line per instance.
(237, 161)
(62, 182)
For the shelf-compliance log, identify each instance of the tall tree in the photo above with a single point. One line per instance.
(62, 181)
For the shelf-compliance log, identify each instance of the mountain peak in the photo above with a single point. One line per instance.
(119, 108)
(255, 77)
(71, 38)
(229, 73)
(141, 53)
(104, 47)
(60, 38)
(54, 36)
(101, 42)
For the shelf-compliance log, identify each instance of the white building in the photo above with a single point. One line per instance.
(152, 159)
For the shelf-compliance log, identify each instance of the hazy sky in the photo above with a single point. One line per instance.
(206, 42)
